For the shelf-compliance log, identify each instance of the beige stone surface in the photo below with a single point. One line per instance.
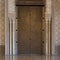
(2, 22)
(58, 19)
(11, 6)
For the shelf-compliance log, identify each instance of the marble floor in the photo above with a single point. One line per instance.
(29, 57)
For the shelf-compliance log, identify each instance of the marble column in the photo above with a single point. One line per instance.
(48, 37)
(14, 36)
(10, 34)
(7, 36)
(48, 21)
(13, 49)
(12, 15)
(10, 27)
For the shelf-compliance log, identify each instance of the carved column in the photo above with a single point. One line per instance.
(48, 37)
(7, 36)
(48, 25)
(14, 36)
(10, 34)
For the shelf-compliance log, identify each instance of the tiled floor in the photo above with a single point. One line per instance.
(30, 57)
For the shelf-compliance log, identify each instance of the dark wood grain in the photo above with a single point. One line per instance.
(42, 3)
(29, 29)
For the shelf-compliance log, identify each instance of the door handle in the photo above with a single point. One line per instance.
(16, 30)
(43, 42)
(43, 30)
(29, 38)
(16, 41)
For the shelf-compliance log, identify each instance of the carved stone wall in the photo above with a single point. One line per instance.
(57, 9)
(11, 6)
(57, 26)
(2, 26)
(2, 22)
(11, 11)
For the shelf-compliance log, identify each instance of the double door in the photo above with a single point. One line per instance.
(29, 35)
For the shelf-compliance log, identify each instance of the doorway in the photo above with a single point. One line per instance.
(29, 30)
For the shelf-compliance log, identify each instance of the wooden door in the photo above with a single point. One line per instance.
(29, 29)
(36, 12)
(23, 30)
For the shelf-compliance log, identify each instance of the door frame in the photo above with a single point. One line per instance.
(14, 27)
(42, 23)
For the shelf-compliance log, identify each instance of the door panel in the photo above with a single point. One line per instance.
(36, 29)
(23, 30)
(29, 29)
